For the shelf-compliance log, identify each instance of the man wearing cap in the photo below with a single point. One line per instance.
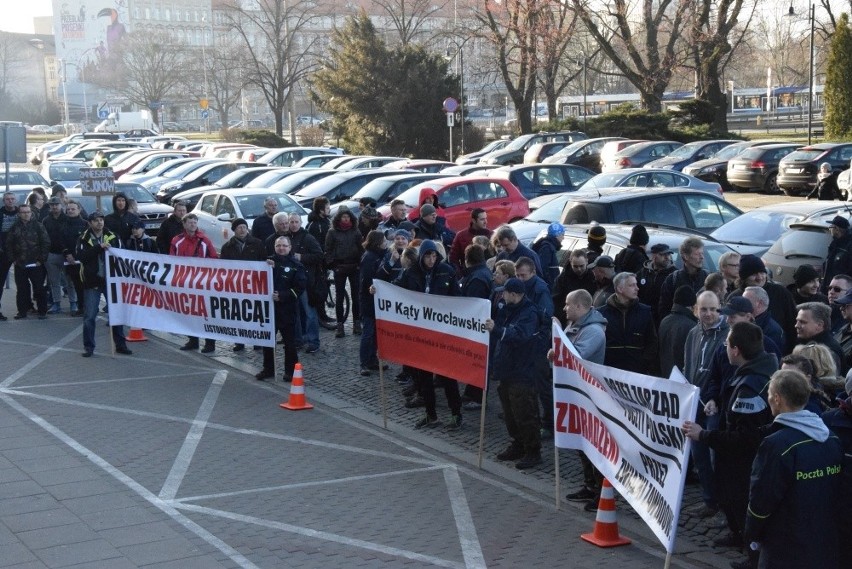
(173, 225)
(139, 240)
(54, 224)
(674, 329)
(575, 275)
(813, 325)
(631, 337)
(603, 270)
(843, 336)
(512, 249)
(478, 226)
(632, 258)
(839, 258)
(753, 273)
(837, 288)
(546, 248)
(307, 251)
(27, 246)
(194, 243)
(595, 240)
(652, 276)
(242, 247)
(692, 274)
(75, 225)
(91, 252)
(516, 348)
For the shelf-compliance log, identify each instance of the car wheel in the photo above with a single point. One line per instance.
(771, 185)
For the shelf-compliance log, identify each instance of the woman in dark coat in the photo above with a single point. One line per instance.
(374, 254)
(343, 251)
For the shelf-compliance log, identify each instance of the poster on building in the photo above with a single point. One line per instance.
(629, 425)
(208, 298)
(442, 334)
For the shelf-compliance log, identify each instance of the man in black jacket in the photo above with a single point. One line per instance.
(692, 274)
(631, 338)
(263, 227)
(27, 246)
(838, 261)
(121, 220)
(307, 251)
(652, 276)
(813, 325)
(242, 247)
(171, 227)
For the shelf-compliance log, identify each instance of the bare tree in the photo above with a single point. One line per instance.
(409, 19)
(641, 38)
(224, 77)
(556, 24)
(278, 46)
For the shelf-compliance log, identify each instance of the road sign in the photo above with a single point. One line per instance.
(203, 103)
(458, 116)
(450, 105)
(103, 113)
(451, 119)
(205, 113)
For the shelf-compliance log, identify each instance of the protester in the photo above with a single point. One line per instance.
(391, 265)
(121, 219)
(818, 402)
(631, 338)
(242, 247)
(478, 226)
(781, 306)
(575, 275)
(75, 225)
(374, 254)
(603, 270)
(825, 369)
(674, 329)
(595, 240)
(476, 282)
(652, 276)
(307, 251)
(840, 285)
(805, 285)
(729, 266)
(8, 217)
(838, 260)
(263, 227)
(368, 220)
(512, 249)
(715, 282)
(546, 248)
(398, 212)
(632, 258)
(840, 422)
(27, 246)
(54, 223)
(813, 325)
(194, 243)
(172, 226)
(139, 241)
(762, 316)
(343, 252)
(692, 274)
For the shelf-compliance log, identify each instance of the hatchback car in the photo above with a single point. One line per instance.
(757, 168)
(473, 157)
(383, 190)
(536, 153)
(715, 168)
(513, 153)
(539, 179)
(613, 147)
(585, 153)
(340, 186)
(544, 210)
(650, 178)
(639, 154)
(459, 196)
(803, 243)
(689, 153)
(289, 156)
(679, 208)
(204, 176)
(798, 171)
(63, 172)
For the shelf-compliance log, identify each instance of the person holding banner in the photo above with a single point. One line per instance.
(743, 410)
(91, 252)
(139, 241)
(476, 283)
(242, 247)
(371, 261)
(431, 275)
(194, 243)
(514, 333)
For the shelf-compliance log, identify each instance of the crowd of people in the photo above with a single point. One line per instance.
(771, 362)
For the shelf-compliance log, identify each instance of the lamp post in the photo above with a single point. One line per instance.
(585, 89)
(63, 70)
(460, 69)
(792, 13)
(204, 65)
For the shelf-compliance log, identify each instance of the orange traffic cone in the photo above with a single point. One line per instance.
(297, 400)
(605, 533)
(136, 335)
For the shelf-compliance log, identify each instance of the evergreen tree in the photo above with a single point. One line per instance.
(838, 83)
(384, 101)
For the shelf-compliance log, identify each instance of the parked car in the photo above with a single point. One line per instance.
(650, 178)
(541, 215)
(513, 153)
(459, 196)
(235, 180)
(152, 212)
(613, 147)
(536, 153)
(317, 161)
(585, 153)
(295, 182)
(639, 154)
(159, 171)
(289, 156)
(203, 176)
(677, 207)
(216, 210)
(715, 168)
(689, 153)
(421, 165)
(339, 186)
(340, 161)
(804, 243)
(754, 232)
(22, 179)
(798, 171)
(63, 172)
(473, 157)
(538, 179)
(383, 190)
(146, 162)
(756, 168)
(467, 169)
(368, 162)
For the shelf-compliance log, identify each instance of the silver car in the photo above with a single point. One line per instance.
(651, 178)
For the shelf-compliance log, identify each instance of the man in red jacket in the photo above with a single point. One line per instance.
(194, 243)
(478, 226)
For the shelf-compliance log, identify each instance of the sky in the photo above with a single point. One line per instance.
(20, 18)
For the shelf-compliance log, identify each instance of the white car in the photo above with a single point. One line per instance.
(216, 210)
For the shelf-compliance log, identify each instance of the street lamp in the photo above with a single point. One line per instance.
(63, 70)
(460, 67)
(585, 67)
(792, 13)
(204, 65)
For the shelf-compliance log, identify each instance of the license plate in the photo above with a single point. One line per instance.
(152, 224)
(794, 170)
(739, 167)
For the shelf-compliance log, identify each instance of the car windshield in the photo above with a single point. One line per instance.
(168, 166)
(322, 187)
(32, 178)
(135, 191)
(299, 180)
(756, 227)
(605, 180)
(375, 189)
(801, 242)
(266, 179)
(730, 152)
(66, 172)
(752, 153)
(518, 143)
(804, 155)
(549, 212)
(252, 206)
(571, 148)
(184, 169)
(686, 150)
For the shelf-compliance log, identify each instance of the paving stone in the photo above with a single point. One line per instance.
(77, 553)
(57, 535)
(37, 520)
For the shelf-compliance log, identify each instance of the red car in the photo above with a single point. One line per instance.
(459, 196)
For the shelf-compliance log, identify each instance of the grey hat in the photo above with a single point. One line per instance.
(427, 209)
(96, 214)
(402, 233)
(604, 262)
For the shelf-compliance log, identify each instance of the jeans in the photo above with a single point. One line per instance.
(30, 283)
(368, 346)
(307, 330)
(55, 269)
(91, 302)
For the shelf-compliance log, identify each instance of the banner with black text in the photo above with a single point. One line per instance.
(208, 298)
(442, 334)
(629, 425)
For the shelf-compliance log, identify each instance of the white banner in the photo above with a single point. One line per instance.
(209, 298)
(628, 424)
(442, 334)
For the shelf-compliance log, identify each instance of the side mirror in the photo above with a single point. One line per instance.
(224, 217)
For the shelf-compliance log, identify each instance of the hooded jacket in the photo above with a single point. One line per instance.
(195, 245)
(546, 249)
(120, 222)
(343, 246)
(588, 335)
(795, 480)
(318, 227)
(437, 280)
(631, 338)
(522, 251)
(538, 292)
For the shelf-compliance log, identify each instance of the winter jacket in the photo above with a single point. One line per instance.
(7, 220)
(71, 231)
(674, 281)
(371, 260)
(838, 261)
(55, 227)
(546, 249)
(120, 222)
(783, 311)
(288, 280)
(262, 227)
(92, 257)
(569, 281)
(826, 188)
(539, 294)
(631, 259)
(840, 422)
(477, 282)
(673, 333)
(701, 345)
(793, 511)
(389, 270)
(170, 228)
(515, 344)
(196, 245)
(650, 280)
(522, 251)
(250, 249)
(142, 244)
(310, 255)
(27, 243)
(440, 279)
(827, 339)
(799, 299)
(342, 246)
(588, 335)
(318, 227)
(631, 338)
(462, 240)
(771, 329)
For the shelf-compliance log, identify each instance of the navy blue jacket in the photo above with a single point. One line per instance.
(371, 260)
(522, 251)
(538, 292)
(515, 344)
(440, 279)
(546, 247)
(477, 282)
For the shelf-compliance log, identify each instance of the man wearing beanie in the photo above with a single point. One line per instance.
(596, 240)
(428, 226)
(692, 274)
(632, 258)
(478, 226)
(242, 247)
(674, 328)
(805, 286)
(781, 305)
(838, 261)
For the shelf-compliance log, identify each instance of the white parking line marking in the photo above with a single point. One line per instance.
(471, 548)
(169, 376)
(193, 437)
(41, 357)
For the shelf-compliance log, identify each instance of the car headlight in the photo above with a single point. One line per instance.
(708, 170)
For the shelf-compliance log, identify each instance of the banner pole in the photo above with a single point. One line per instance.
(382, 392)
(668, 560)
(482, 425)
(557, 482)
